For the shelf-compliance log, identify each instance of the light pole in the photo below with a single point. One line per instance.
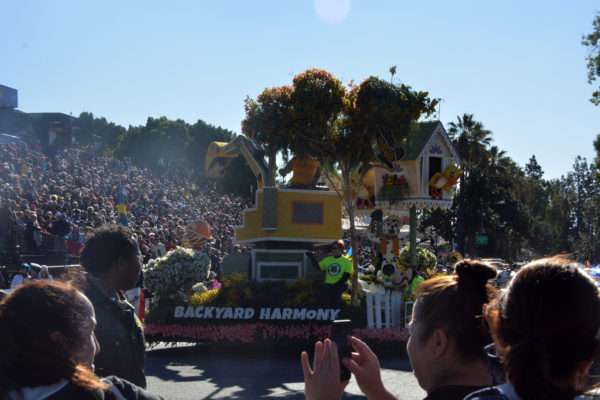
(479, 239)
(482, 228)
(591, 211)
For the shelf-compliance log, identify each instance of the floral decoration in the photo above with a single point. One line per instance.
(393, 179)
(178, 270)
(256, 332)
(202, 298)
(199, 287)
(394, 188)
(425, 259)
(238, 290)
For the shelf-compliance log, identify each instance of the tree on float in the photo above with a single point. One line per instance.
(318, 116)
(268, 118)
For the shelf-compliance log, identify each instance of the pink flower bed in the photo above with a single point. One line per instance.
(244, 333)
(382, 334)
(249, 333)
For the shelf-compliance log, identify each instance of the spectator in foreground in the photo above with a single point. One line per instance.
(546, 328)
(447, 336)
(112, 260)
(50, 354)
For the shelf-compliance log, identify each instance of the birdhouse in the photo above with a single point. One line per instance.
(420, 170)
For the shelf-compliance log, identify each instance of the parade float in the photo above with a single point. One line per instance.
(272, 295)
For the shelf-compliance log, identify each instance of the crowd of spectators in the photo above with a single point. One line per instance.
(53, 203)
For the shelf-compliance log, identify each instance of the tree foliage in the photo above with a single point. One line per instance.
(533, 170)
(470, 139)
(170, 146)
(163, 145)
(97, 130)
(384, 106)
(591, 42)
(523, 215)
(318, 99)
(268, 120)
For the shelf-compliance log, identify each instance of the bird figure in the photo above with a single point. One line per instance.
(444, 181)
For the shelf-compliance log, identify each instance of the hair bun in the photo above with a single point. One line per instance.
(475, 271)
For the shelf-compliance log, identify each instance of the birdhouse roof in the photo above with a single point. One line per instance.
(421, 134)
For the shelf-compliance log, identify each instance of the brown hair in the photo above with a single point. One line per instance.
(548, 319)
(28, 357)
(454, 303)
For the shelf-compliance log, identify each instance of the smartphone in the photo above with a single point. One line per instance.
(340, 330)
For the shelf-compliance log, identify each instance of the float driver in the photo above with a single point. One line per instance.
(338, 269)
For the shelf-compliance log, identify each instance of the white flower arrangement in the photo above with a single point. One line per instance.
(199, 288)
(177, 271)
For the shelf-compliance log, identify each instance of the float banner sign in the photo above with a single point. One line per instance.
(8, 97)
(481, 239)
(256, 314)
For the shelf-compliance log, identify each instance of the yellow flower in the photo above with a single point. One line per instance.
(346, 298)
(200, 299)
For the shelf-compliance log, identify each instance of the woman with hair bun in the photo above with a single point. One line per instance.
(546, 329)
(447, 336)
(47, 347)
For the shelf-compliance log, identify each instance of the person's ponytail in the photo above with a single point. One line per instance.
(454, 303)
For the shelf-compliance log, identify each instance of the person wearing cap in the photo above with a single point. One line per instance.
(36, 270)
(46, 274)
(21, 276)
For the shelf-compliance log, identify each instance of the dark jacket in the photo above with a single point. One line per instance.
(119, 332)
(127, 389)
(503, 392)
(495, 365)
(452, 392)
(60, 227)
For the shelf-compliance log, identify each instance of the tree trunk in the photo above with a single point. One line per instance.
(412, 250)
(350, 204)
(460, 219)
(355, 249)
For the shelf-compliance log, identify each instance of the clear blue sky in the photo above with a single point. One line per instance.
(518, 66)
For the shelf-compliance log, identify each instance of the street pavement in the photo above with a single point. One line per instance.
(217, 372)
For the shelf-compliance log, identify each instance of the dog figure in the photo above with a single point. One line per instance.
(390, 245)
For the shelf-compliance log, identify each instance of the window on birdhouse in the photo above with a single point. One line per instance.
(435, 166)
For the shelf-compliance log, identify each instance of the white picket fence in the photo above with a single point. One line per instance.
(385, 310)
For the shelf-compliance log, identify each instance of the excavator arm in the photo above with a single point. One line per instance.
(220, 155)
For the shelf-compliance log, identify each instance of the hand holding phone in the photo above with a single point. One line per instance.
(340, 331)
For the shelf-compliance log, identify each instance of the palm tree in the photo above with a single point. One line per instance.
(498, 163)
(471, 140)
